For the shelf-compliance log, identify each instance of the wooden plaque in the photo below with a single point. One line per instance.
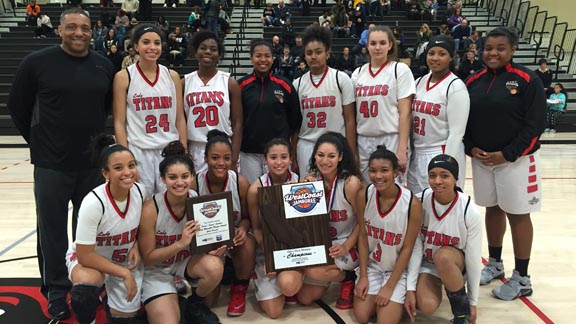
(297, 240)
(215, 215)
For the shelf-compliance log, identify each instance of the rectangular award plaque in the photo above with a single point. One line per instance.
(215, 215)
(295, 225)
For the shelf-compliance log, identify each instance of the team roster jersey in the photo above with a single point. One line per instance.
(377, 93)
(207, 106)
(342, 216)
(117, 230)
(321, 103)
(169, 230)
(151, 109)
(231, 185)
(386, 230)
(429, 110)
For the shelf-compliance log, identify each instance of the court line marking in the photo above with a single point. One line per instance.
(531, 306)
(14, 164)
(17, 242)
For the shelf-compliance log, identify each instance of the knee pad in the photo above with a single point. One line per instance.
(84, 300)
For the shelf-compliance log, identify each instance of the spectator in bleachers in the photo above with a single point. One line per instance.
(363, 41)
(107, 3)
(361, 58)
(476, 39)
(109, 40)
(44, 26)
(469, 65)
(32, 12)
(325, 20)
(358, 22)
(414, 10)
(120, 31)
(212, 12)
(297, 51)
(400, 39)
(286, 63)
(277, 48)
(194, 19)
(224, 21)
(131, 8)
(423, 35)
(460, 33)
(341, 25)
(301, 70)
(336, 8)
(267, 18)
(177, 47)
(170, 3)
(556, 104)
(163, 24)
(281, 13)
(288, 34)
(434, 10)
(115, 57)
(451, 7)
(98, 34)
(455, 19)
(444, 30)
(131, 58)
(122, 18)
(345, 62)
(386, 6)
(544, 74)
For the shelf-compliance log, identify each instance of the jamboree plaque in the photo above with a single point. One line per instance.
(295, 225)
(215, 215)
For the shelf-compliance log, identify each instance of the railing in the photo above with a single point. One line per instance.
(550, 38)
(239, 42)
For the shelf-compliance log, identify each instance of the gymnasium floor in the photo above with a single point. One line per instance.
(553, 263)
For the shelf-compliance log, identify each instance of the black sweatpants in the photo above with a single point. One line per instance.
(53, 190)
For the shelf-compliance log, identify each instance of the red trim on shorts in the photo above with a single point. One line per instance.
(532, 159)
(532, 188)
(532, 169)
(530, 147)
(532, 178)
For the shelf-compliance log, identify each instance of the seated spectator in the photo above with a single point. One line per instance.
(363, 41)
(476, 39)
(455, 19)
(301, 70)
(469, 65)
(120, 31)
(268, 16)
(194, 20)
(115, 57)
(336, 8)
(281, 13)
(130, 7)
(361, 58)
(358, 22)
(345, 62)
(556, 106)
(444, 30)
(461, 33)
(340, 23)
(288, 34)
(131, 58)
(163, 24)
(386, 7)
(325, 20)
(277, 48)
(32, 12)
(44, 26)
(544, 74)
(122, 18)
(109, 40)
(224, 21)
(400, 40)
(177, 45)
(414, 10)
(286, 63)
(423, 35)
(434, 10)
(99, 32)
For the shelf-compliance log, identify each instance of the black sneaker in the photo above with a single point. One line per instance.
(462, 319)
(58, 309)
(198, 312)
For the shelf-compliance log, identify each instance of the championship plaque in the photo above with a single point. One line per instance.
(215, 216)
(295, 226)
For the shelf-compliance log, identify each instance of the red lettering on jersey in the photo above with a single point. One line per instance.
(439, 239)
(373, 90)
(318, 102)
(215, 97)
(388, 238)
(428, 108)
(338, 215)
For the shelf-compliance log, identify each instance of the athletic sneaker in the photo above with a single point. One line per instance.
(546, 130)
(58, 309)
(463, 319)
(237, 304)
(290, 300)
(346, 299)
(198, 313)
(492, 270)
(515, 287)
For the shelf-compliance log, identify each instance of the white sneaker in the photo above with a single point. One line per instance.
(173, 5)
(515, 287)
(546, 130)
(165, 6)
(492, 270)
(552, 131)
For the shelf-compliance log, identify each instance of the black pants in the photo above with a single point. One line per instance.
(53, 190)
(551, 117)
(43, 30)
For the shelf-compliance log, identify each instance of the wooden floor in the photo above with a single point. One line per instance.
(553, 263)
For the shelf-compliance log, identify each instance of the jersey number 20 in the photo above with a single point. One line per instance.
(208, 116)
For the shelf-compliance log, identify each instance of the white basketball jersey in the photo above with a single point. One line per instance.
(430, 119)
(151, 109)
(169, 230)
(377, 93)
(230, 185)
(342, 217)
(386, 231)
(266, 181)
(443, 229)
(207, 106)
(117, 230)
(321, 103)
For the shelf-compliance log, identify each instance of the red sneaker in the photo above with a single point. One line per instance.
(346, 299)
(292, 300)
(237, 304)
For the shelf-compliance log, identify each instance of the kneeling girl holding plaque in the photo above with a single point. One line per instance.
(332, 162)
(164, 238)
(389, 216)
(220, 178)
(272, 289)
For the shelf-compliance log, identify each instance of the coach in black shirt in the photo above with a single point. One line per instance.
(60, 98)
